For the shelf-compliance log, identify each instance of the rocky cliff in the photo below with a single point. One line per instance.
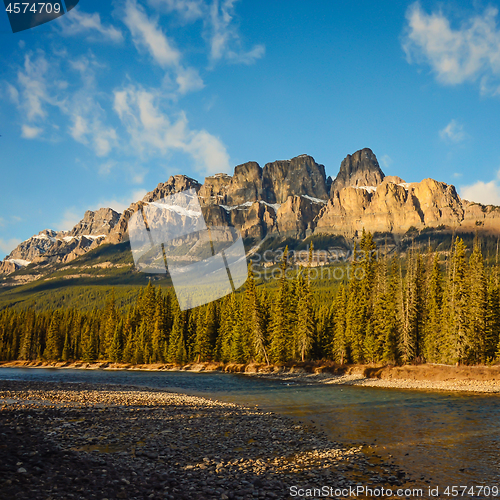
(287, 198)
(359, 169)
(51, 246)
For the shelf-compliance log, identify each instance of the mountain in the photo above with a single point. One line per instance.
(359, 169)
(51, 246)
(291, 199)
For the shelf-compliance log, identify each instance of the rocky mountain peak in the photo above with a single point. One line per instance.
(296, 177)
(97, 223)
(246, 184)
(358, 169)
(175, 184)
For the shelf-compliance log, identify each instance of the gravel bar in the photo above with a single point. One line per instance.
(89, 441)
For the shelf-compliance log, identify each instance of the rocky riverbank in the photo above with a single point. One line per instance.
(82, 441)
(479, 379)
(483, 379)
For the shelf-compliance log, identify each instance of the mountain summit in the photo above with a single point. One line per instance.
(359, 169)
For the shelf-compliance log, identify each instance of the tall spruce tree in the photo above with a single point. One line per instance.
(280, 337)
(456, 305)
(391, 325)
(356, 308)
(477, 346)
(53, 343)
(257, 327)
(340, 345)
(304, 327)
(433, 334)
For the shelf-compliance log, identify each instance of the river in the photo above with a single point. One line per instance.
(441, 438)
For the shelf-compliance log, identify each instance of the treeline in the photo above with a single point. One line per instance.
(400, 310)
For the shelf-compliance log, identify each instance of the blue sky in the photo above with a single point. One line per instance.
(101, 105)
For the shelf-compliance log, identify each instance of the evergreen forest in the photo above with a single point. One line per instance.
(416, 307)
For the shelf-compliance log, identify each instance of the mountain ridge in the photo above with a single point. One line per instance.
(286, 199)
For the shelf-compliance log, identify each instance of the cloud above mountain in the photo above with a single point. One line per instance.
(469, 52)
(487, 193)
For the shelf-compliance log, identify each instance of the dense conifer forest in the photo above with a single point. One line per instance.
(423, 306)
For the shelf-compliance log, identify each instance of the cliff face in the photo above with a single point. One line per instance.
(300, 176)
(287, 198)
(391, 207)
(49, 246)
(97, 223)
(359, 169)
(272, 184)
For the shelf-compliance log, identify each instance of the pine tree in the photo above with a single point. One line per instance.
(477, 301)
(433, 334)
(159, 337)
(456, 304)
(493, 317)
(411, 342)
(257, 329)
(356, 309)
(304, 330)
(391, 328)
(27, 349)
(237, 353)
(280, 340)
(371, 344)
(53, 345)
(67, 351)
(116, 347)
(177, 345)
(110, 320)
(90, 347)
(340, 347)
(323, 340)
(206, 330)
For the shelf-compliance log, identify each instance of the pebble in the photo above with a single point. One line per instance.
(91, 441)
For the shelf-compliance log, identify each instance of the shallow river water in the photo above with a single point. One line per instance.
(443, 438)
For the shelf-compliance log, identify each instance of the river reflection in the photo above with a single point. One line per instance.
(444, 438)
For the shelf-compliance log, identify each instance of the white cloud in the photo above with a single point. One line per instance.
(148, 35)
(386, 161)
(189, 80)
(32, 80)
(78, 22)
(7, 246)
(220, 28)
(2, 222)
(453, 132)
(13, 93)
(40, 89)
(224, 38)
(486, 193)
(467, 54)
(31, 132)
(87, 126)
(153, 131)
